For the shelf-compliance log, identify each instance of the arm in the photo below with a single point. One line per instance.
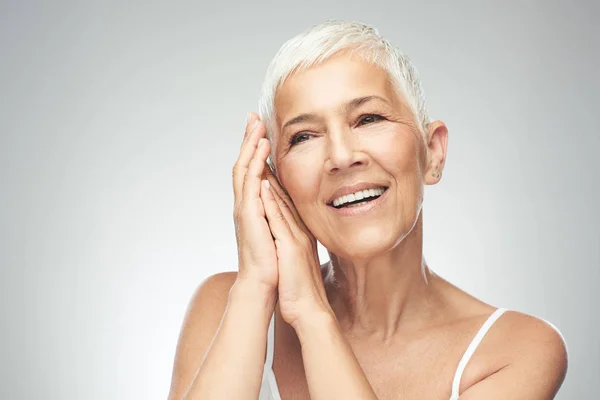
(332, 370)
(229, 364)
(223, 337)
(537, 371)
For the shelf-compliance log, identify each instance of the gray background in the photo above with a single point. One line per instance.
(119, 125)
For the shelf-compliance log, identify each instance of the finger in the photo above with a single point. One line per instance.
(291, 214)
(278, 223)
(250, 119)
(251, 189)
(274, 183)
(248, 150)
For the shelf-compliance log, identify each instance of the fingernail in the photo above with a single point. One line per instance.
(254, 125)
(266, 184)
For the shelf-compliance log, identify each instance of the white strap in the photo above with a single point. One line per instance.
(471, 349)
(271, 381)
(270, 343)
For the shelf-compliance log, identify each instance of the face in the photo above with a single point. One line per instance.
(343, 129)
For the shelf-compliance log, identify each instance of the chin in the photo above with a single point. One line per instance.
(364, 244)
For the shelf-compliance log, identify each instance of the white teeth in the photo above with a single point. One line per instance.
(363, 194)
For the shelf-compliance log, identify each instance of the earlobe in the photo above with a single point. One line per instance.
(437, 144)
(433, 176)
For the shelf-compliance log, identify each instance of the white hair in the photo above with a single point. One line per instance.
(327, 39)
(323, 41)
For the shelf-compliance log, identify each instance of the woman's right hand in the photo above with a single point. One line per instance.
(257, 257)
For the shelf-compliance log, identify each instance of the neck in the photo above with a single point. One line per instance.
(390, 294)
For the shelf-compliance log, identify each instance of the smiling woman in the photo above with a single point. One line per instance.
(340, 153)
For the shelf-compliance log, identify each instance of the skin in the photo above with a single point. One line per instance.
(390, 328)
(340, 147)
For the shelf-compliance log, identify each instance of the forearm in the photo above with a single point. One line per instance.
(332, 370)
(233, 365)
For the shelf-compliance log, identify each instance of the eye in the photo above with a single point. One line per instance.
(369, 119)
(299, 137)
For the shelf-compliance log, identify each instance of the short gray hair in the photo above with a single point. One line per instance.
(327, 39)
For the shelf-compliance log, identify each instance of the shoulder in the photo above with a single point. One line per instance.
(535, 341)
(522, 350)
(202, 319)
(212, 292)
(207, 305)
(533, 337)
(514, 335)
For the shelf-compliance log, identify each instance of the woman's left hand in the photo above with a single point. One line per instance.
(301, 290)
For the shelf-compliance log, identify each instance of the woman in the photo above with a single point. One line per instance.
(344, 124)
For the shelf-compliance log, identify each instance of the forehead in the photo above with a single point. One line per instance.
(324, 87)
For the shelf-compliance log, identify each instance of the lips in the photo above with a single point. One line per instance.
(357, 187)
(366, 209)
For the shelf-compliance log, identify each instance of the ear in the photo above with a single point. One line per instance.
(437, 146)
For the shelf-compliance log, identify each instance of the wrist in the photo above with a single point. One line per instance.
(248, 291)
(317, 320)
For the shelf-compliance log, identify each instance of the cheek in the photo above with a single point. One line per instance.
(395, 150)
(301, 178)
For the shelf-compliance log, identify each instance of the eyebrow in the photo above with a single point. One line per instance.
(349, 105)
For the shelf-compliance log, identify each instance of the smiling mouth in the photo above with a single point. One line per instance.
(359, 198)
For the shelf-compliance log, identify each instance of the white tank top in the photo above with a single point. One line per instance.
(270, 391)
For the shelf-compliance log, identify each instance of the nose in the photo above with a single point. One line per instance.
(342, 152)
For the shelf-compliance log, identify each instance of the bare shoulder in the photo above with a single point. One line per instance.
(524, 351)
(533, 339)
(211, 294)
(514, 338)
(203, 316)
